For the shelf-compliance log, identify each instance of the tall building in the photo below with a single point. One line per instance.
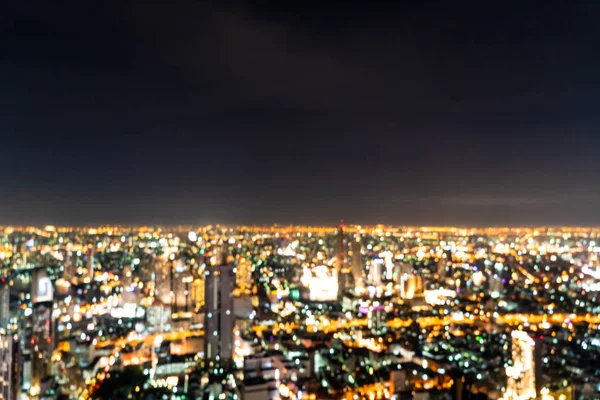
(90, 263)
(6, 363)
(524, 373)
(376, 321)
(19, 258)
(130, 292)
(342, 270)
(219, 318)
(162, 287)
(341, 253)
(243, 275)
(181, 297)
(157, 317)
(42, 332)
(375, 270)
(198, 287)
(4, 306)
(442, 266)
(69, 268)
(357, 267)
(16, 368)
(401, 272)
(411, 286)
(322, 282)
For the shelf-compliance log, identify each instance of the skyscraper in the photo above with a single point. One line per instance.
(69, 267)
(90, 262)
(42, 339)
(9, 359)
(219, 319)
(198, 288)
(6, 363)
(243, 275)
(357, 267)
(343, 271)
(341, 253)
(4, 306)
(375, 268)
(19, 259)
(524, 373)
(376, 318)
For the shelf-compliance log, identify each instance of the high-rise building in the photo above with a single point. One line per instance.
(341, 251)
(401, 272)
(342, 270)
(162, 287)
(411, 286)
(19, 258)
(130, 292)
(243, 275)
(219, 318)
(157, 317)
(322, 282)
(90, 263)
(6, 363)
(376, 321)
(69, 268)
(357, 267)
(4, 306)
(16, 368)
(42, 332)
(198, 298)
(524, 373)
(389, 266)
(375, 269)
(442, 266)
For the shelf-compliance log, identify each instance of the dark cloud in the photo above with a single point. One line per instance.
(420, 112)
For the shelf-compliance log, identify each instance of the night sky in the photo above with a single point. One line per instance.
(189, 112)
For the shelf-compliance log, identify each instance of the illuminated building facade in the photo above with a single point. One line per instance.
(411, 286)
(19, 259)
(42, 331)
(198, 287)
(376, 320)
(522, 373)
(181, 296)
(375, 272)
(442, 266)
(243, 275)
(4, 306)
(6, 363)
(439, 296)
(7, 359)
(343, 272)
(322, 282)
(157, 318)
(90, 262)
(162, 280)
(357, 267)
(219, 318)
(68, 266)
(340, 248)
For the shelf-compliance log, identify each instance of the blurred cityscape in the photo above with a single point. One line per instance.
(298, 312)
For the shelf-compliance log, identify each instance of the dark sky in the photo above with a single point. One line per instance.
(180, 111)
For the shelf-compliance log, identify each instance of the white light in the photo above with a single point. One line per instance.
(322, 282)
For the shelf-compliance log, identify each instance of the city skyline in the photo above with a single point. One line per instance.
(298, 313)
(259, 200)
(246, 112)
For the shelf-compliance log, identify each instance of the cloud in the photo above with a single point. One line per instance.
(507, 200)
